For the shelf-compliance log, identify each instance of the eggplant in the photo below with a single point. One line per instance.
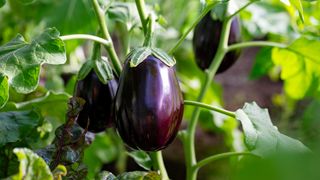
(148, 105)
(99, 97)
(206, 41)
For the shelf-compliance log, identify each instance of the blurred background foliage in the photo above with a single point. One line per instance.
(289, 89)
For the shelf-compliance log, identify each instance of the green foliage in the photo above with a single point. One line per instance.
(300, 66)
(125, 13)
(62, 16)
(17, 125)
(4, 90)
(298, 5)
(262, 63)
(261, 136)
(139, 175)
(2, 3)
(142, 159)
(102, 150)
(31, 166)
(21, 61)
(53, 117)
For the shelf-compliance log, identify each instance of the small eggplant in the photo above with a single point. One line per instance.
(149, 105)
(206, 41)
(99, 97)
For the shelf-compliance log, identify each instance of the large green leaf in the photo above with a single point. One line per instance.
(262, 63)
(21, 60)
(261, 136)
(31, 166)
(44, 104)
(297, 4)
(2, 3)
(53, 117)
(300, 66)
(17, 125)
(71, 16)
(4, 90)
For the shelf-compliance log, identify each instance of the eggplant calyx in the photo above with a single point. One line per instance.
(138, 55)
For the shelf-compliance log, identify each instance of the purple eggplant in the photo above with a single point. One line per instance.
(149, 105)
(206, 41)
(99, 97)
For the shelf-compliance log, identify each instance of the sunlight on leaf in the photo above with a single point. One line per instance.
(261, 136)
(31, 166)
(21, 60)
(4, 90)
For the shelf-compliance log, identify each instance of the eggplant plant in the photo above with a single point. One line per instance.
(134, 99)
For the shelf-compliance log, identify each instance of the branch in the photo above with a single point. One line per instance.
(206, 106)
(221, 156)
(255, 44)
(86, 37)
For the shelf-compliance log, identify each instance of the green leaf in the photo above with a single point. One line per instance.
(54, 117)
(103, 70)
(31, 166)
(2, 3)
(4, 90)
(307, 47)
(71, 16)
(300, 66)
(17, 125)
(44, 104)
(106, 175)
(21, 61)
(139, 175)
(142, 159)
(263, 63)
(297, 4)
(125, 13)
(261, 136)
(164, 57)
(310, 124)
(138, 55)
(102, 150)
(85, 69)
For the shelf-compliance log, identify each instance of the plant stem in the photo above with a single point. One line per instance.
(217, 109)
(255, 43)
(110, 49)
(148, 36)
(142, 14)
(87, 37)
(184, 35)
(157, 157)
(221, 156)
(189, 146)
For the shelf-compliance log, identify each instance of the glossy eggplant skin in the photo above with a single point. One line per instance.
(149, 105)
(206, 41)
(99, 97)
